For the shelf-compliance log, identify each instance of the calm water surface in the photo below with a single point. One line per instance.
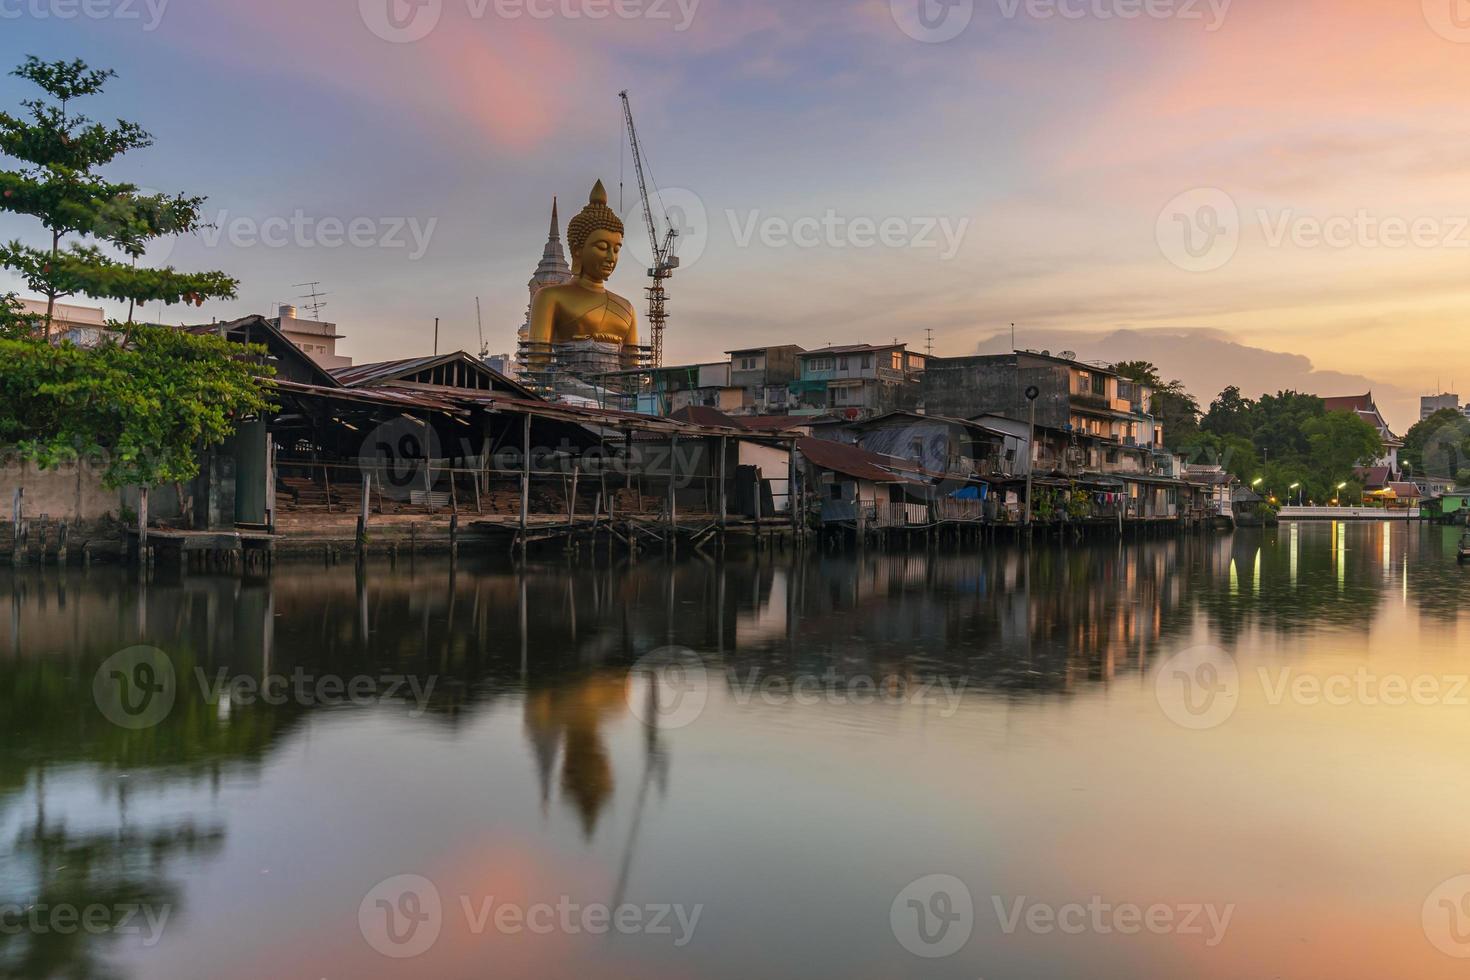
(1261, 740)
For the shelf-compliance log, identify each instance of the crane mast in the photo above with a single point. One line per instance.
(664, 260)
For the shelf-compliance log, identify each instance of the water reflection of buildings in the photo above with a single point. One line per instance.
(554, 644)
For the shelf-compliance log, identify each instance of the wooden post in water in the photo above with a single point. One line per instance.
(526, 483)
(673, 481)
(572, 498)
(724, 500)
(142, 525)
(791, 495)
(362, 518)
(17, 510)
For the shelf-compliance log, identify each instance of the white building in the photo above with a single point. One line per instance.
(317, 338)
(84, 326)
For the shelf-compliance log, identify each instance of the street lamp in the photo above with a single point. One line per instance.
(1296, 486)
(1340, 488)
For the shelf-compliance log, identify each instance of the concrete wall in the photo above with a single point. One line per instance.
(73, 492)
(966, 387)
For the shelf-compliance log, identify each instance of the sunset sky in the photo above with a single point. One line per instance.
(1313, 152)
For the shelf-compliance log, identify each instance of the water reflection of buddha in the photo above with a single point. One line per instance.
(570, 717)
(583, 309)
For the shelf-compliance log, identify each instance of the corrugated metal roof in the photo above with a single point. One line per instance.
(392, 397)
(857, 463)
(360, 375)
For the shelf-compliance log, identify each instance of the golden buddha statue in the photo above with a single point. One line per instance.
(584, 309)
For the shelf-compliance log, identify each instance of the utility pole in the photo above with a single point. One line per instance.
(1032, 394)
(436, 336)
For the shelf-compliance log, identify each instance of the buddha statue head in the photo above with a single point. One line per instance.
(595, 237)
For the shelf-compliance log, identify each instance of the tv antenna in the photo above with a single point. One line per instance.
(315, 299)
(928, 342)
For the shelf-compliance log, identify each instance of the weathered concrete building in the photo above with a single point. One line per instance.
(857, 381)
(765, 374)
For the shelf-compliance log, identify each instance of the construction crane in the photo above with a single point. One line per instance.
(664, 259)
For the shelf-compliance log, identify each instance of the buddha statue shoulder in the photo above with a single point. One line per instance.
(584, 309)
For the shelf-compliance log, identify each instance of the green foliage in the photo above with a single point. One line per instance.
(14, 321)
(1439, 446)
(1287, 439)
(1174, 407)
(1229, 415)
(57, 184)
(146, 406)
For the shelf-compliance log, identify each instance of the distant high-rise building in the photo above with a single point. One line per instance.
(553, 270)
(1430, 404)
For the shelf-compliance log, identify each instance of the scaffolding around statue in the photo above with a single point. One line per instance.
(585, 372)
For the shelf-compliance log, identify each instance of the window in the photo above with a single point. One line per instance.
(749, 364)
(842, 364)
(836, 491)
(867, 361)
(820, 364)
(897, 361)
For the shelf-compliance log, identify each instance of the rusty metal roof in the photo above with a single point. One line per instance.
(399, 398)
(854, 462)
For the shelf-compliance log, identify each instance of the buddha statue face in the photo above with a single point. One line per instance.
(598, 259)
(596, 238)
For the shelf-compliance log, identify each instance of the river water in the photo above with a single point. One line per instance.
(1236, 756)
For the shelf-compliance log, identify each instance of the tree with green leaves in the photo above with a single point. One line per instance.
(145, 407)
(1439, 446)
(1229, 415)
(1174, 407)
(57, 183)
